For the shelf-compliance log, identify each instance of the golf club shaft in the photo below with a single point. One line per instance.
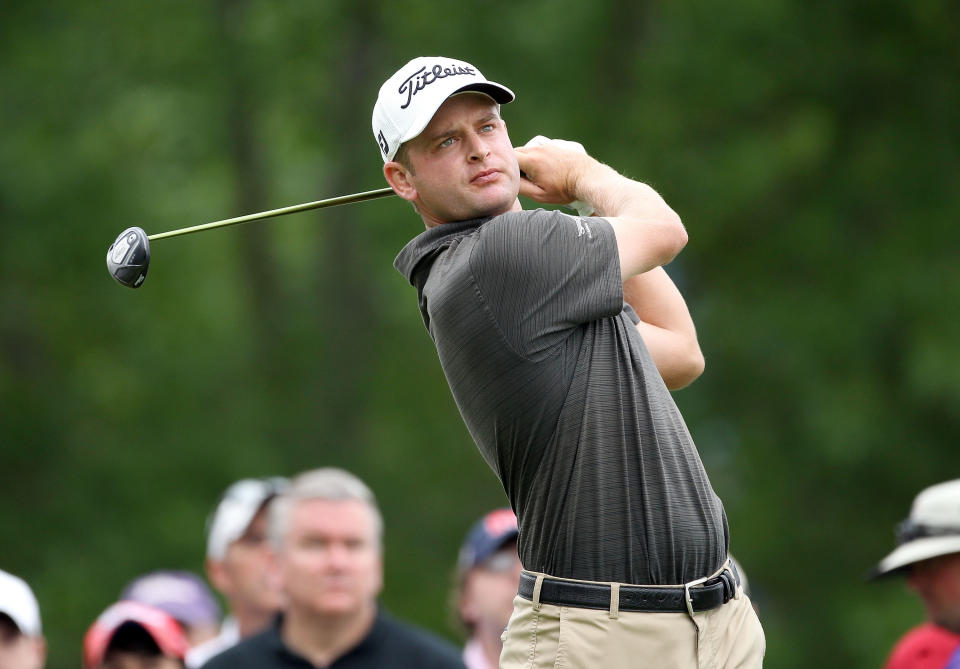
(319, 204)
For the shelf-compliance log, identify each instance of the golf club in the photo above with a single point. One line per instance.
(129, 256)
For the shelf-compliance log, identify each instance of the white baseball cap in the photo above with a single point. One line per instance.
(18, 602)
(931, 530)
(237, 508)
(410, 98)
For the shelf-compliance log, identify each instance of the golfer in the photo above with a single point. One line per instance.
(560, 337)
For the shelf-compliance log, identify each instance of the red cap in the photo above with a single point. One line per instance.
(162, 628)
(925, 647)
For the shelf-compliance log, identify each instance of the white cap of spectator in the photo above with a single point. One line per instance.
(931, 530)
(18, 602)
(238, 506)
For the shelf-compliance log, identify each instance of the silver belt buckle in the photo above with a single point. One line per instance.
(686, 592)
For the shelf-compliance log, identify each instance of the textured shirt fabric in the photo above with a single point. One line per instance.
(927, 646)
(390, 644)
(229, 635)
(474, 657)
(562, 398)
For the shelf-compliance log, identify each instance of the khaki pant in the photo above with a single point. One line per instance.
(541, 636)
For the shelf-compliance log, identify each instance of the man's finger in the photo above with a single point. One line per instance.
(531, 190)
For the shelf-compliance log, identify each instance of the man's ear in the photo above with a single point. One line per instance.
(398, 177)
(217, 575)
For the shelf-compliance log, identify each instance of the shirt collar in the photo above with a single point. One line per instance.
(430, 242)
(277, 646)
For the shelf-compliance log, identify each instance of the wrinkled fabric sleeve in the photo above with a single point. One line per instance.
(542, 273)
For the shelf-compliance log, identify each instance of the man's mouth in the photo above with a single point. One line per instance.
(485, 177)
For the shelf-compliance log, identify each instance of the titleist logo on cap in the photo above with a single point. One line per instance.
(419, 80)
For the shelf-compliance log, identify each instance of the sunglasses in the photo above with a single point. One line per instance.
(909, 531)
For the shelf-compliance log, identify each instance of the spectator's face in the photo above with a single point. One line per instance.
(244, 575)
(330, 564)
(937, 581)
(486, 601)
(18, 651)
(119, 659)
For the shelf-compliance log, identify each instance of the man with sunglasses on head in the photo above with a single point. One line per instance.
(326, 540)
(238, 565)
(928, 556)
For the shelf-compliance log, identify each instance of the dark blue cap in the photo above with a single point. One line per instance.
(486, 537)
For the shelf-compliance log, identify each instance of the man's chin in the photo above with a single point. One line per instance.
(334, 606)
(497, 206)
(949, 621)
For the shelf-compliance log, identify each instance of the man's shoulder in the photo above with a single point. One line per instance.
(528, 217)
(254, 652)
(229, 636)
(418, 646)
(534, 228)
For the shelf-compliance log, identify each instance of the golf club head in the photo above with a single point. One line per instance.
(129, 257)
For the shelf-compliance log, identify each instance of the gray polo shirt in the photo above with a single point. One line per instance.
(563, 400)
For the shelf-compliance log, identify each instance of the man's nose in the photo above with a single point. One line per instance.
(916, 579)
(478, 149)
(339, 555)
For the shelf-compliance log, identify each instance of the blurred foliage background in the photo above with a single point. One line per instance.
(810, 147)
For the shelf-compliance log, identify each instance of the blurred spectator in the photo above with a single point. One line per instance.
(326, 534)
(21, 639)
(928, 554)
(183, 595)
(131, 635)
(488, 571)
(238, 564)
(744, 582)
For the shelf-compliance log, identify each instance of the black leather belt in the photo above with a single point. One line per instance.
(677, 599)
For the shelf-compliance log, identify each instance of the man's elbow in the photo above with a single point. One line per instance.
(675, 236)
(682, 236)
(688, 369)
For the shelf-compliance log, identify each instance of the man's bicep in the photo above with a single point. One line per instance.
(640, 247)
(550, 272)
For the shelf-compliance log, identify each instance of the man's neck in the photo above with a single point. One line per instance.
(431, 221)
(322, 639)
(489, 639)
(251, 620)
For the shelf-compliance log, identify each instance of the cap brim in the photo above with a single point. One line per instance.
(477, 558)
(916, 551)
(160, 626)
(233, 515)
(500, 94)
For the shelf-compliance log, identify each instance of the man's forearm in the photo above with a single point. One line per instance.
(649, 233)
(613, 194)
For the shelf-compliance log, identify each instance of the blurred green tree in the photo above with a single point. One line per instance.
(811, 148)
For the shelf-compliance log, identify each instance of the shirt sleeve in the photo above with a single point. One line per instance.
(542, 273)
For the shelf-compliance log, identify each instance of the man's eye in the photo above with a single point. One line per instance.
(487, 128)
(447, 142)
